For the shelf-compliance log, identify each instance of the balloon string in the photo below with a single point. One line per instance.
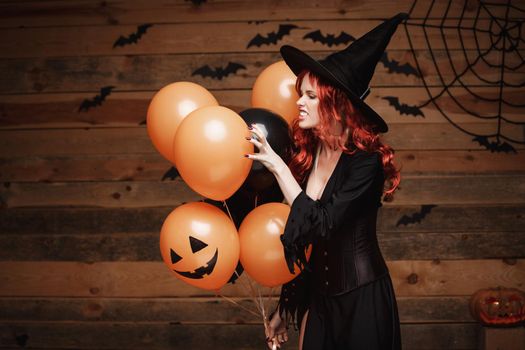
(255, 293)
(268, 302)
(257, 300)
(266, 305)
(259, 306)
(266, 321)
(228, 210)
(249, 291)
(242, 282)
(266, 312)
(239, 305)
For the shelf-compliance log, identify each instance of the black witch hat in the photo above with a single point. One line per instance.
(352, 68)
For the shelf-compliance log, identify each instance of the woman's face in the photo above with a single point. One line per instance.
(308, 105)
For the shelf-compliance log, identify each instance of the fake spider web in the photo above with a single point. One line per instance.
(495, 64)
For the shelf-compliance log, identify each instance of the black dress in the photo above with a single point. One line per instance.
(345, 285)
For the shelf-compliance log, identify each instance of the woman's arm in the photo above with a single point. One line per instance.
(287, 183)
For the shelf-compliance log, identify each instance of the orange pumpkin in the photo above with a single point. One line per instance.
(498, 307)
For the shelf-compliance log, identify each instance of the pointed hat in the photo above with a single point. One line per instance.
(352, 68)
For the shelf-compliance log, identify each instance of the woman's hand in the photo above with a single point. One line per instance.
(266, 155)
(276, 333)
(271, 160)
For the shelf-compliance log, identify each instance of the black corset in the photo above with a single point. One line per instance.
(349, 259)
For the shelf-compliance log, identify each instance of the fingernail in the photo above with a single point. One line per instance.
(246, 155)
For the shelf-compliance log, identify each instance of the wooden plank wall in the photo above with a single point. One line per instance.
(82, 194)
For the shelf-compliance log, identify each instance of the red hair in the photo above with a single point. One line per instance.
(335, 105)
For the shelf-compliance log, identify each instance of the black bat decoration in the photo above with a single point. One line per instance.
(403, 108)
(416, 217)
(21, 340)
(273, 37)
(329, 39)
(133, 38)
(171, 174)
(218, 72)
(394, 67)
(97, 100)
(494, 146)
(197, 2)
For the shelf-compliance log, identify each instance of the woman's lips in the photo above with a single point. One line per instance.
(302, 114)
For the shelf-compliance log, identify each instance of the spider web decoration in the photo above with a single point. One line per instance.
(498, 67)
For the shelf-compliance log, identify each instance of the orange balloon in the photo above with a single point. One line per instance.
(200, 245)
(262, 253)
(209, 149)
(169, 107)
(274, 89)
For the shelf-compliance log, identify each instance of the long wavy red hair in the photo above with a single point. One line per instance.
(334, 104)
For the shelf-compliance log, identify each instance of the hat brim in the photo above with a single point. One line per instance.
(298, 61)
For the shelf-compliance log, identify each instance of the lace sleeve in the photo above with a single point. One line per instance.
(294, 300)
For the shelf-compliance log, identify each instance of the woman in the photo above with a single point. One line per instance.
(343, 298)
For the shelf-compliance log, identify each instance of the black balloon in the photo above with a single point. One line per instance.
(277, 134)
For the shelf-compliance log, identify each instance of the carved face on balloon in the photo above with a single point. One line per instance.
(201, 271)
(200, 245)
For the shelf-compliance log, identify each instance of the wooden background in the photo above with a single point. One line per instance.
(82, 197)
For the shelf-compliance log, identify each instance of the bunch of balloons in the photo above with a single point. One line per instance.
(199, 242)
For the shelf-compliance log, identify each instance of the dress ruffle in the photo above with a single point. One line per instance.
(298, 235)
(294, 300)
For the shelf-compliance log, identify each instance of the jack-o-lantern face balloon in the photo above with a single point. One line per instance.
(200, 244)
